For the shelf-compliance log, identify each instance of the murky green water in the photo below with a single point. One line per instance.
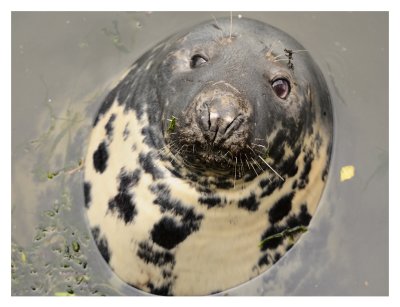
(63, 64)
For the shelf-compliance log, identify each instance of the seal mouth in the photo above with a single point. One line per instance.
(247, 163)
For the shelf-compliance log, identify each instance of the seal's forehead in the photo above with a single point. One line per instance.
(247, 31)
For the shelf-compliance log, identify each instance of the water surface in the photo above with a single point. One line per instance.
(63, 64)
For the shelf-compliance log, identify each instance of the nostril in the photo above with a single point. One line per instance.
(204, 117)
(231, 121)
(214, 120)
(233, 124)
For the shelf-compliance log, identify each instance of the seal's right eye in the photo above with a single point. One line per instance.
(197, 60)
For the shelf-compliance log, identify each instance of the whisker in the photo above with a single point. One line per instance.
(184, 145)
(276, 58)
(225, 154)
(230, 30)
(234, 179)
(271, 168)
(241, 165)
(259, 145)
(247, 161)
(254, 169)
(259, 166)
(216, 24)
(269, 52)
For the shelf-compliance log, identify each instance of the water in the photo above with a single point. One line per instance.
(64, 63)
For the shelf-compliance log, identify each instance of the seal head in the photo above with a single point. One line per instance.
(207, 161)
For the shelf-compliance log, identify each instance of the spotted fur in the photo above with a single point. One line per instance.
(170, 231)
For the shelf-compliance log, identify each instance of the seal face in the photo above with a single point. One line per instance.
(208, 160)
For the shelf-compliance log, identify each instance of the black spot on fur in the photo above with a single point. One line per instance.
(192, 177)
(123, 202)
(176, 173)
(308, 159)
(270, 185)
(264, 260)
(277, 257)
(301, 184)
(86, 192)
(100, 157)
(162, 290)
(128, 179)
(202, 189)
(249, 177)
(278, 150)
(125, 133)
(281, 208)
(294, 185)
(148, 165)
(147, 253)
(109, 126)
(250, 203)
(301, 219)
(224, 184)
(210, 200)
(289, 166)
(169, 232)
(102, 244)
(166, 274)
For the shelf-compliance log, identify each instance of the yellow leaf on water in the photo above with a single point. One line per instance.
(63, 294)
(347, 172)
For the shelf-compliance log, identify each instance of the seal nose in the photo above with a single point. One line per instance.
(219, 118)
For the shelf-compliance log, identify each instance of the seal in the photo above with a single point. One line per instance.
(208, 160)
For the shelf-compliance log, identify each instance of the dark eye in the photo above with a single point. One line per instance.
(197, 60)
(281, 88)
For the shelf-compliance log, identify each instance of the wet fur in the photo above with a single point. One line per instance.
(170, 229)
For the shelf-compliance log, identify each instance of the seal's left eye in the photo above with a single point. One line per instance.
(197, 60)
(281, 88)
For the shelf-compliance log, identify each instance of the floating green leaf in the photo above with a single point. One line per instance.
(51, 175)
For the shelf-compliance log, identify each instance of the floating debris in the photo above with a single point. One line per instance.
(347, 172)
(64, 294)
